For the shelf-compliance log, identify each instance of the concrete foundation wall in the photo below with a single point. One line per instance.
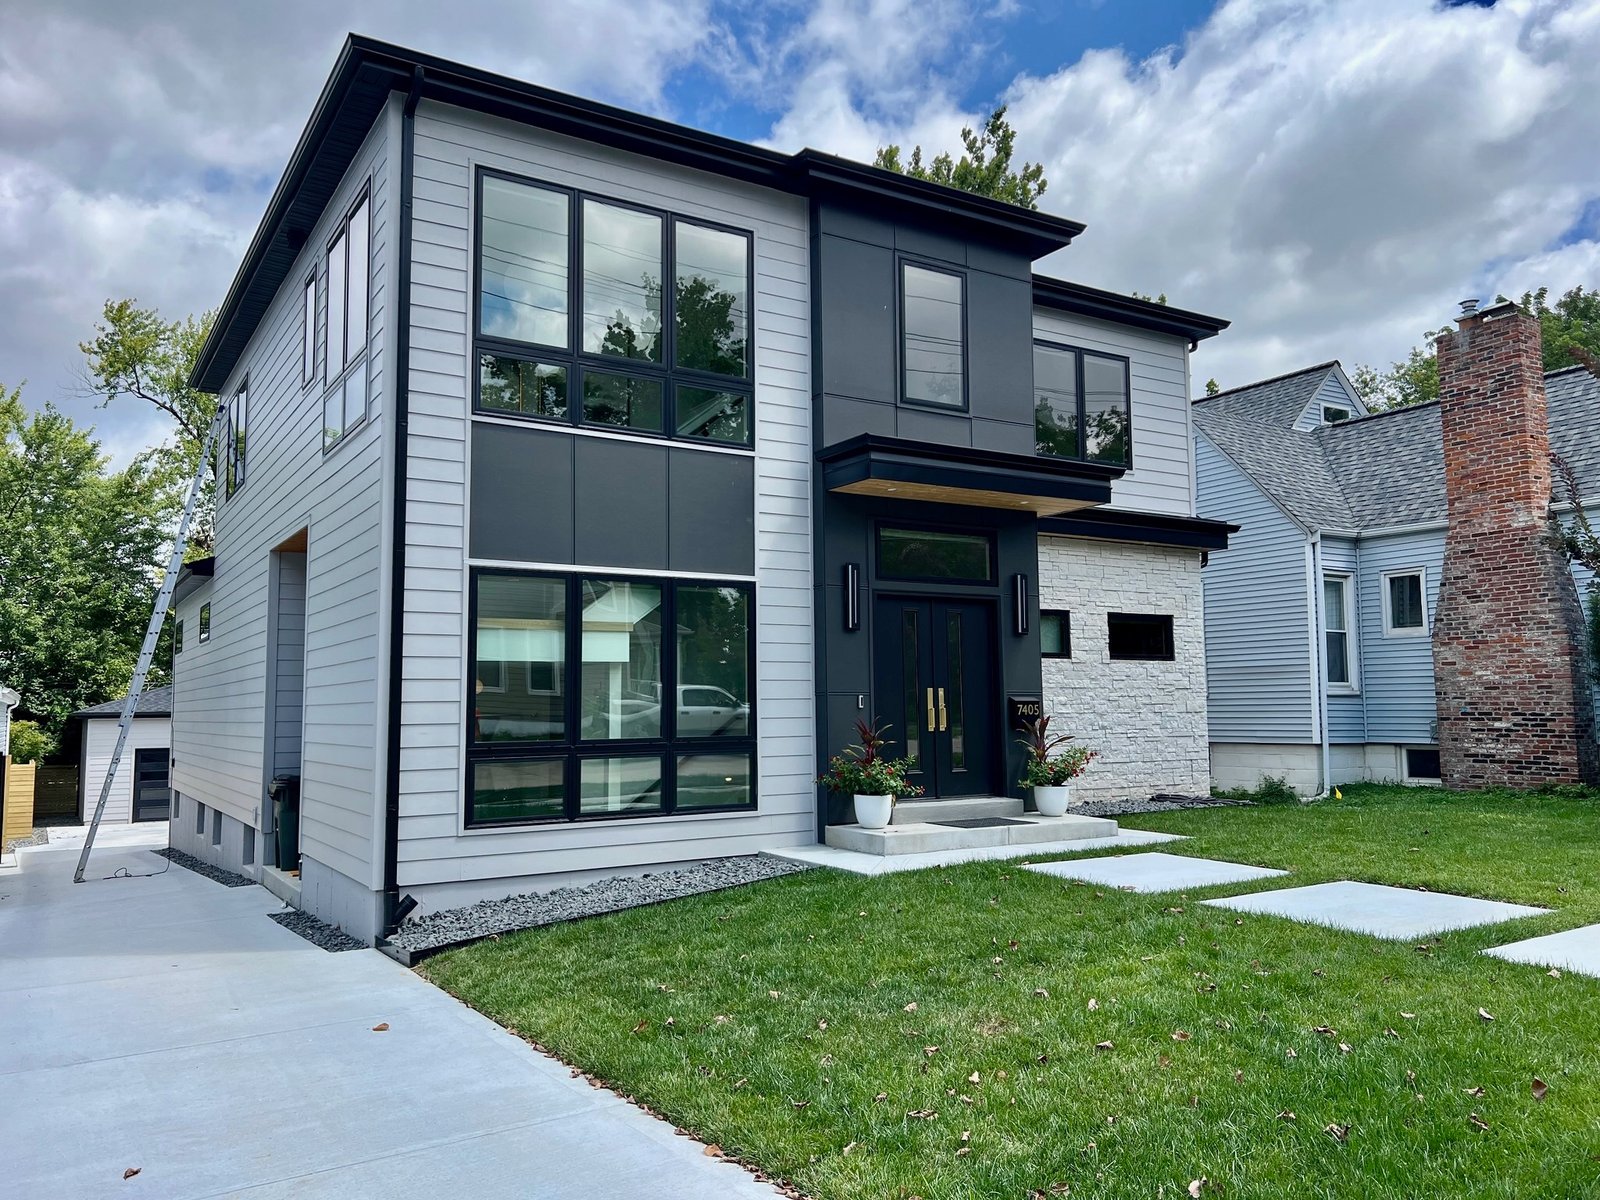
(194, 836)
(1236, 765)
(1147, 719)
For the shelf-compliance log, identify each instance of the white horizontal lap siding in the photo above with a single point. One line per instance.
(1162, 478)
(1397, 673)
(99, 740)
(220, 726)
(433, 848)
(1258, 661)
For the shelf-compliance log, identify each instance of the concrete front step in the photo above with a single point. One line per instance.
(965, 808)
(921, 837)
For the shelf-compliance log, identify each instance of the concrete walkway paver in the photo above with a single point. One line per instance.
(165, 1023)
(1155, 871)
(1386, 912)
(858, 863)
(1570, 950)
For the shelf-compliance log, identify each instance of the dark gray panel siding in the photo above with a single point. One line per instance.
(712, 507)
(620, 516)
(521, 494)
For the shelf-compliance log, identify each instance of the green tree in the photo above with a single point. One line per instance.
(81, 548)
(985, 168)
(29, 743)
(1414, 380)
(1212, 386)
(135, 353)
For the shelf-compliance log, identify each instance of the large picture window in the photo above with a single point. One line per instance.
(638, 698)
(661, 343)
(1081, 405)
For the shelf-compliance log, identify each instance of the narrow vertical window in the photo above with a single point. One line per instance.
(344, 405)
(205, 623)
(238, 415)
(308, 343)
(933, 337)
(1336, 609)
(358, 277)
(337, 291)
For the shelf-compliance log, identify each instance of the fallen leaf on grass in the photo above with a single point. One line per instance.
(912, 1007)
(800, 1103)
(880, 1097)
(1540, 1087)
(849, 1148)
(1291, 1053)
(131, 1172)
(974, 1078)
(1344, 1047)
(1477, 1093)
(1106, 1045)
(966, 1135)
(1094, 1005)
(640, 1027)
(1485, 1015)
(1042, 993)
(1339, 1133)
(1326, 1030)
(929, 1051)
(822, 1024)
(1554, 972)
(670, 1021)
(963, 1152)
(1390, 1033)
(712, 1151)
(1286, 1115)
(922, 1114)
(1478, 1122)
(739, 1084)
(773, 993)
(1181, 1035)
(381, 1027)
(1196, 1186)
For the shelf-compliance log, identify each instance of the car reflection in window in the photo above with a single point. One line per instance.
(711, 712)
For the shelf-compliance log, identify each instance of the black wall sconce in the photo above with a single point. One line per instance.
(852, 597)
(1019, 613)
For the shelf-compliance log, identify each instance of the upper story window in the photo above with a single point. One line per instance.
(1081, 405)
(238, 417)
(933, 336)
(1338, 608)
(349, 264)
(1332, 414)
(308, 339)
(1404, 612)
(661, 341)
(205, 623)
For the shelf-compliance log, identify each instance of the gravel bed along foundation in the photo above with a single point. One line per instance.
(1166, 802)
(39, 837)
(318, 933)
(487, 917)
(201, 867)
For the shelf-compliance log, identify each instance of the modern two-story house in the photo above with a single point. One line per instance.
(588, 476)
(1320, 620)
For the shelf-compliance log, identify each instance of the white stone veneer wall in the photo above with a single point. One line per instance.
(1147, 719)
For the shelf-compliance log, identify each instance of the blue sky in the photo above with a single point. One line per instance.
(1331, 175)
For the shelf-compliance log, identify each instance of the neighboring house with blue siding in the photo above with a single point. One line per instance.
(1318, 618)
(588, 477)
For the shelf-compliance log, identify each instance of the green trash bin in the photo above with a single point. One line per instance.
(285, 793)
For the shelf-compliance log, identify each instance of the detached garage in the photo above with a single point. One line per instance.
(142, 790)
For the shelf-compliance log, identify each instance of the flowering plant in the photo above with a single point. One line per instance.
(862, 770)
(1051, 762)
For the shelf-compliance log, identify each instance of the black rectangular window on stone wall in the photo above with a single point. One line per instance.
(598, 697)
(1139, 636)
(607, 315)
(1055, 634)
(1081, 405)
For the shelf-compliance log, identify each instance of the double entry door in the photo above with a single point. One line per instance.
(935, 689)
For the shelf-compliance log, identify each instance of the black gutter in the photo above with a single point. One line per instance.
(1157, 529)
(1124, 310)
(397, 552)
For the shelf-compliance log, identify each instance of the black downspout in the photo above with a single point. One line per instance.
(397, 558)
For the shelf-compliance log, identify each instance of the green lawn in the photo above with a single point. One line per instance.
(935, 1034)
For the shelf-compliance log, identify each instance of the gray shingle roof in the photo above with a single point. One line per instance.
(153, 702)
(1377, 471)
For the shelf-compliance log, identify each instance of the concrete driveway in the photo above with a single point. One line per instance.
(165, 1023)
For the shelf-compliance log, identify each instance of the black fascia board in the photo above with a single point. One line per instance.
(368, 70)
(1155, 528)
(191, 575)
(1124, 310)
(900, 460)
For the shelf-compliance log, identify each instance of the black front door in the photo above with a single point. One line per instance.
(934, 681)
(152, 784)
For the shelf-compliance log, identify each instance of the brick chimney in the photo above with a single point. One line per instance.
(1509, 662)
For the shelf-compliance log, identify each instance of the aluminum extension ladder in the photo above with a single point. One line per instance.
(152, 634)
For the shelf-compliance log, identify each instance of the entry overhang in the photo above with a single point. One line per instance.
(902, 469)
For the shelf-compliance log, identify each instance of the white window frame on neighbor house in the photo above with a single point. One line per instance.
(1332, 414)
(1352, 623)
(1390, 630)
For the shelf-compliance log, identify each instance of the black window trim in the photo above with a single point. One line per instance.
(1065, 614)
(901, 261)
(1083, 401)
(1162, 620)
(235, 473)
(336, 383)
(890, 523)
(575, 360)
(573, 749)
(309, 336)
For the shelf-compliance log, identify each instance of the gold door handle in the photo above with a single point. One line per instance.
(932, 725)
(943, 721)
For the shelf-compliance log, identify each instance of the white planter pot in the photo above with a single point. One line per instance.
(873, 812)
(1053, 801)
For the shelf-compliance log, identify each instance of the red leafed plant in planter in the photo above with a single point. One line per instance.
(1052, 766)
(863, 772)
